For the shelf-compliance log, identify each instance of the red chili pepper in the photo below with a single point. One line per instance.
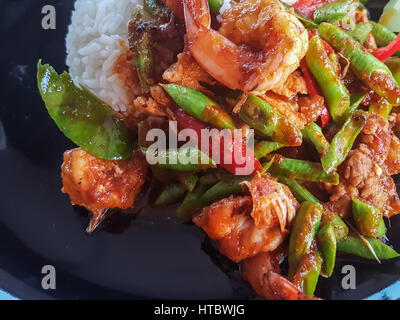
(313, 90)
(387, 51)
(307, 7)
(185, 121)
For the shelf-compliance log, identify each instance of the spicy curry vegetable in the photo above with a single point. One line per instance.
(317, 82)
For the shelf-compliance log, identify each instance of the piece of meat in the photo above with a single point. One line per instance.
(187, 72)
(245, 226)
(98, 185)
(293, 85)
(366, 173)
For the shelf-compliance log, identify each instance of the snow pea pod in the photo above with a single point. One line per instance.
(305, 226)
(356, 246)
(170, 194)
(313, 133)
(343, 141)
(199, 106)
(368, 218)
(364, 65)
(298, 191)
(334, 9)
(262, 148)
(327, 243)
(302, 170)
(308, 272)
(83, 118)
(267, 120)
(333, 88)
(383, 36)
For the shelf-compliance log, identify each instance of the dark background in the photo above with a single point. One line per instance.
(156, 257)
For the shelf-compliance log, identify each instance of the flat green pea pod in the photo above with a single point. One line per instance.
(263, 148)
(302, 170)
(367, 218)
(306, 277)
(193, 200)
(305, 226)
(182, 159)
(343, 141)
(393, 64)
(199, 106)
(374, 73)
(340, 228)
(299, 191)
(267, 120)
(332, 10)
(313, 133)
(356, 246)
(170, 194)
(383, 36)
(327, 243)
(83, 118)
(333, 88)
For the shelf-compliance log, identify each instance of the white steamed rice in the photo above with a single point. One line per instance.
(93, 44)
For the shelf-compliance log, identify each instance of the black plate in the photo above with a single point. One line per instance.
(156, 257)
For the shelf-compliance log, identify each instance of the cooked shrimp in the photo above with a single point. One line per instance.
(244, 226)
(98, 184)
(262, 272)
(257, 47)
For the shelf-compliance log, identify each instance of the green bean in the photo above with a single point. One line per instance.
(215, 6)
(357, 247)
(367, 218)
(182, 159)
(223, 189)
(382, 108)
(267, 120)
(344, 21)
(262, 148)
(313, 133)
(308, 24)
(333, 88)
(340, 228)
(355, 101)
(302, 170)
(170, 194)
(188, 180)
(298, 191)
(305, 226)
(199, 106)
(361, 32)
(343, 141)
(364, 65)
(334, 9)
(383, 36)
(192, 201)
(327, 243)
(308, 272)
(393, 64)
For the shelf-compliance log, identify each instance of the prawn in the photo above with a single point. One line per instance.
(257, 47)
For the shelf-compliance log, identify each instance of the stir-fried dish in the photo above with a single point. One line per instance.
(317, 84)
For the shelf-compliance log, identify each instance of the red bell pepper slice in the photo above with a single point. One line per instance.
(387, 51)
(185, 121)
(313, 90)
(307, 7)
